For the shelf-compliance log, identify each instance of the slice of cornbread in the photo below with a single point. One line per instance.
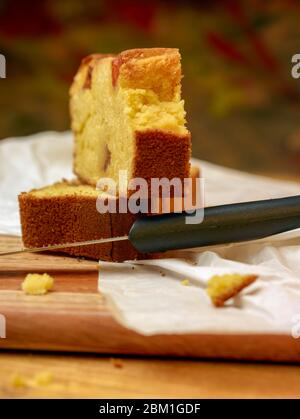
(66, 212)
(127, 114)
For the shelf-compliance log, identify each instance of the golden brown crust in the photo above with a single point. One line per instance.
(66, 219)
(163, 154)
(157, 69)
(123, 250)
(157, 152)
(176, 202)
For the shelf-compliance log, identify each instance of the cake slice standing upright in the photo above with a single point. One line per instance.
(127, 114)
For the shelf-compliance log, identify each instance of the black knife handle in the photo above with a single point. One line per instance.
(221, 224)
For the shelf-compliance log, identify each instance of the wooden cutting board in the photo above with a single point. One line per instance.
(73, 317)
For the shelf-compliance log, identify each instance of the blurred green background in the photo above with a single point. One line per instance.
(242, 103)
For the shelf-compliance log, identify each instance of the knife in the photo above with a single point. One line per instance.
(221, 224)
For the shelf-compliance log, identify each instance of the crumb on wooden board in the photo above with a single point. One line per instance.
(37, 284)
(18, 381)
(43, 378)
(117, 362)
(40, 379)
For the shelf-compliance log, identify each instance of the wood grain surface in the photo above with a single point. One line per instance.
(74, 317)
(39, 262)
(77, 376)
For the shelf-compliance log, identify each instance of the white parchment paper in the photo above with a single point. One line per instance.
(148, 296)
(27, 163)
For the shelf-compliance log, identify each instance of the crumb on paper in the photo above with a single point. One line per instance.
(37, 284)
(222, 287)
(18, 381)
(185, 282)
(43, 378)
(117, 362)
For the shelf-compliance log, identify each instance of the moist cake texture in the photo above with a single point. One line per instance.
(66, 212)
(127, 114)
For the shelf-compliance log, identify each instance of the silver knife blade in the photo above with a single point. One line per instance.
(62, 246)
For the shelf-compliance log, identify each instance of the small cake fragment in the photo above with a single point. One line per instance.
(37, 284)
(43, 378)
(222, 287)
(18, 381)
(117, 363)
(185, 282)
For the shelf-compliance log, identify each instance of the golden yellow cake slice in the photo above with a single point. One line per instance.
(66, 212)
(127, 114)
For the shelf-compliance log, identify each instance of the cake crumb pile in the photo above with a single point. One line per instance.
(37, 284)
